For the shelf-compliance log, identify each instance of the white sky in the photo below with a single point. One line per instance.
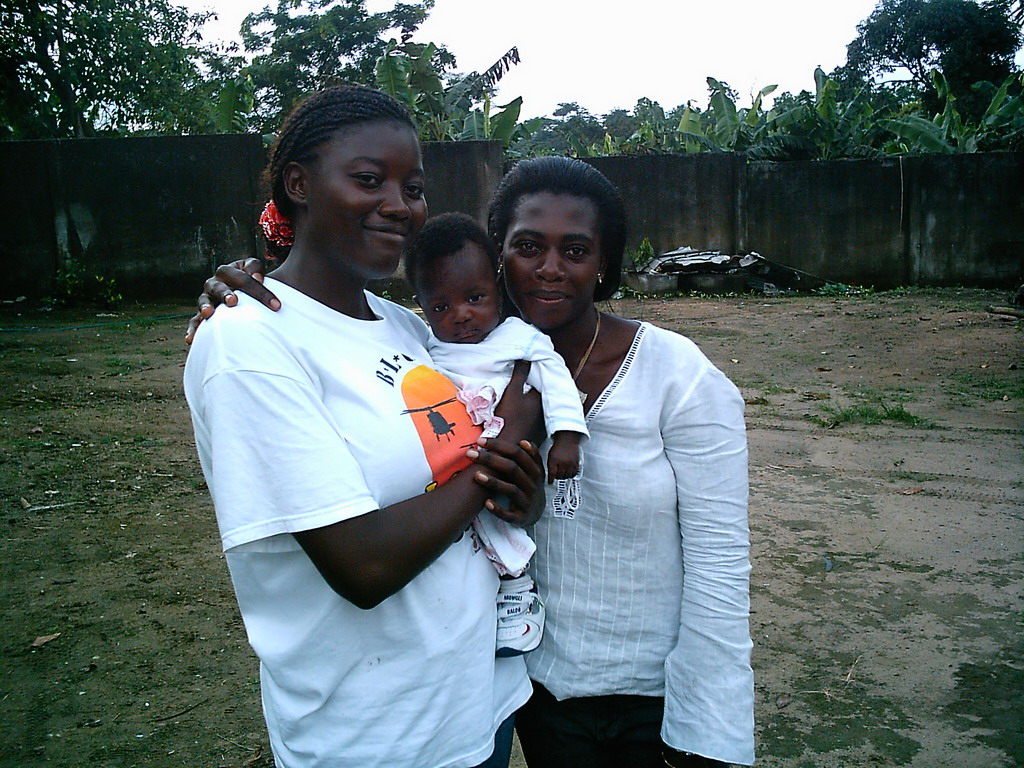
(606, 55)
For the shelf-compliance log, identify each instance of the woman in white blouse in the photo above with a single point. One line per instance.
(647, 651)
(646, 657)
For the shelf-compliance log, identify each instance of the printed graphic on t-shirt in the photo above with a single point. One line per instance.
(442, 423)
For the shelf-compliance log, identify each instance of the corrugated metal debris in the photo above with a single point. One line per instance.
(751, 271)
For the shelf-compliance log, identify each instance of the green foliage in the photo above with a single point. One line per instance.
(968, 41)
(821, 127)
(75, 285)
(460, 110)
(75, 68)
(1001, 125)
(638, 257)
(832, 123)
(235, 103)
(869, 413)
(841, 289)
(300, 46)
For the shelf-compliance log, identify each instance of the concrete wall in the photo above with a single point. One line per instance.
(159, 214)
(28, 246)
(678, 200)
(155, 213)
(965, 219)
(928, 220)
(462, 176)
(840, 220)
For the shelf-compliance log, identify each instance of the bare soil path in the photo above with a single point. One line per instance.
(886, 513)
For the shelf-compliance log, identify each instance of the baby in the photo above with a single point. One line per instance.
(453, 267)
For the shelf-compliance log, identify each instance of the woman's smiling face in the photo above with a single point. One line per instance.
(552, 257)
(364, 196)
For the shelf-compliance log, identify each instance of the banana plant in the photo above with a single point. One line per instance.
(503, 125)
(821, 129)
(235, 103)
(949, 133)
(409, 72)
(691, 133)
(733, 128)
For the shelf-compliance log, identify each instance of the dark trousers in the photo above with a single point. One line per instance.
(593, 732)
(502, 745)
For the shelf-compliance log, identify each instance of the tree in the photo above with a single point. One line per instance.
(969, 42)
(73, 68)
(619, 124)
(1014, 10)
(304, 45)
(578, 127)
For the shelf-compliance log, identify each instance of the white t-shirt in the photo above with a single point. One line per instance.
(491, 360)
(306, 417)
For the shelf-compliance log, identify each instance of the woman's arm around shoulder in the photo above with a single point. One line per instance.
(245, 275)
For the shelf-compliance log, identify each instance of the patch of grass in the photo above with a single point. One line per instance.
(711, 294)
(845, 717)
(120, 365)
(868, 413)
(989, 387)
(754, 380)
(988, 696)
(877, 395)
(842, 289)
(776, 389)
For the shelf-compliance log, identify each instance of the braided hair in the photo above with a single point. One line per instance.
(312, 122)
(566, 176)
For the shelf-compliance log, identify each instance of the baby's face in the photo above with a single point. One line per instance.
(460, 298)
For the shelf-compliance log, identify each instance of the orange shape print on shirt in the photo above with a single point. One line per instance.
(441, 421)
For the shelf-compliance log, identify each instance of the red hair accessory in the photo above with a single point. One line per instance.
(276, 228)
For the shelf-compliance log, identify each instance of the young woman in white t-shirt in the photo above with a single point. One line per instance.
(344, 519)
(646, 655)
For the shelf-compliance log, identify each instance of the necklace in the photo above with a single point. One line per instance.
(586, 357)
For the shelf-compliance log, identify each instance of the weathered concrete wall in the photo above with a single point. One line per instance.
(28, 248)
(965, 219)
(840, 220)
(154, 213)
(159, 214)
(677, 200)
(462, 176)
(929, 220)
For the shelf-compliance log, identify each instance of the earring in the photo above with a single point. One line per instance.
(600, 276)
(501, 269)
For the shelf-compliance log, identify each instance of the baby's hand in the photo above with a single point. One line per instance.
(564, 456)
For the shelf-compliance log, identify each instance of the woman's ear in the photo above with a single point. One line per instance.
(295, 177)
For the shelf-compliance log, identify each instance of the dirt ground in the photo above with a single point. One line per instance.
(886, 516)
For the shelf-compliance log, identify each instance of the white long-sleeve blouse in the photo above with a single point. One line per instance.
(646, 586)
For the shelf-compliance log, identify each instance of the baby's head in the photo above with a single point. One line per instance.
(453, 268)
